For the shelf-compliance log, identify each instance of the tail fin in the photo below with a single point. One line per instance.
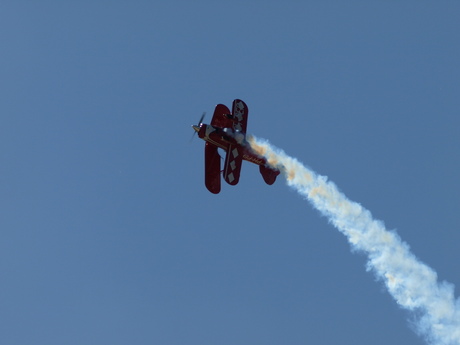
(268, 174)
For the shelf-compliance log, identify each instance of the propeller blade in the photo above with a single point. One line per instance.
(199, 125)
(202, 117)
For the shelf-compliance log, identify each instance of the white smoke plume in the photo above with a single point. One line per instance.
(413, 285)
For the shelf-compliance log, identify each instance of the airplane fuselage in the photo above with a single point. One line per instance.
(224, 137)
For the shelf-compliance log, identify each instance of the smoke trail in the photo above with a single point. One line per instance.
(412, 284)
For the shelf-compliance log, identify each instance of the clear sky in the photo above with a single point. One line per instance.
(108, 234)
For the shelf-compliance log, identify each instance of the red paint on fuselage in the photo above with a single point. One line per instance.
(223, 137)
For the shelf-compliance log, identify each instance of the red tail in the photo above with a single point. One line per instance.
(268, 174)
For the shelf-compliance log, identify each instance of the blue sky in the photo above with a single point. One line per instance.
(108, 235)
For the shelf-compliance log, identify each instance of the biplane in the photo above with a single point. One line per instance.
(227, 131)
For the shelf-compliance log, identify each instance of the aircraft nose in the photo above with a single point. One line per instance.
(196, 128)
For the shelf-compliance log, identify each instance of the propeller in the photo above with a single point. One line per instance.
(202, 117)
(197, 127)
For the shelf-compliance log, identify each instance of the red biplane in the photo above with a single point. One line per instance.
(227, 131)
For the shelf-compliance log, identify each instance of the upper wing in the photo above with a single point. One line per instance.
(221, 118)
(237, 119)
(240, 115)
(232, 166)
